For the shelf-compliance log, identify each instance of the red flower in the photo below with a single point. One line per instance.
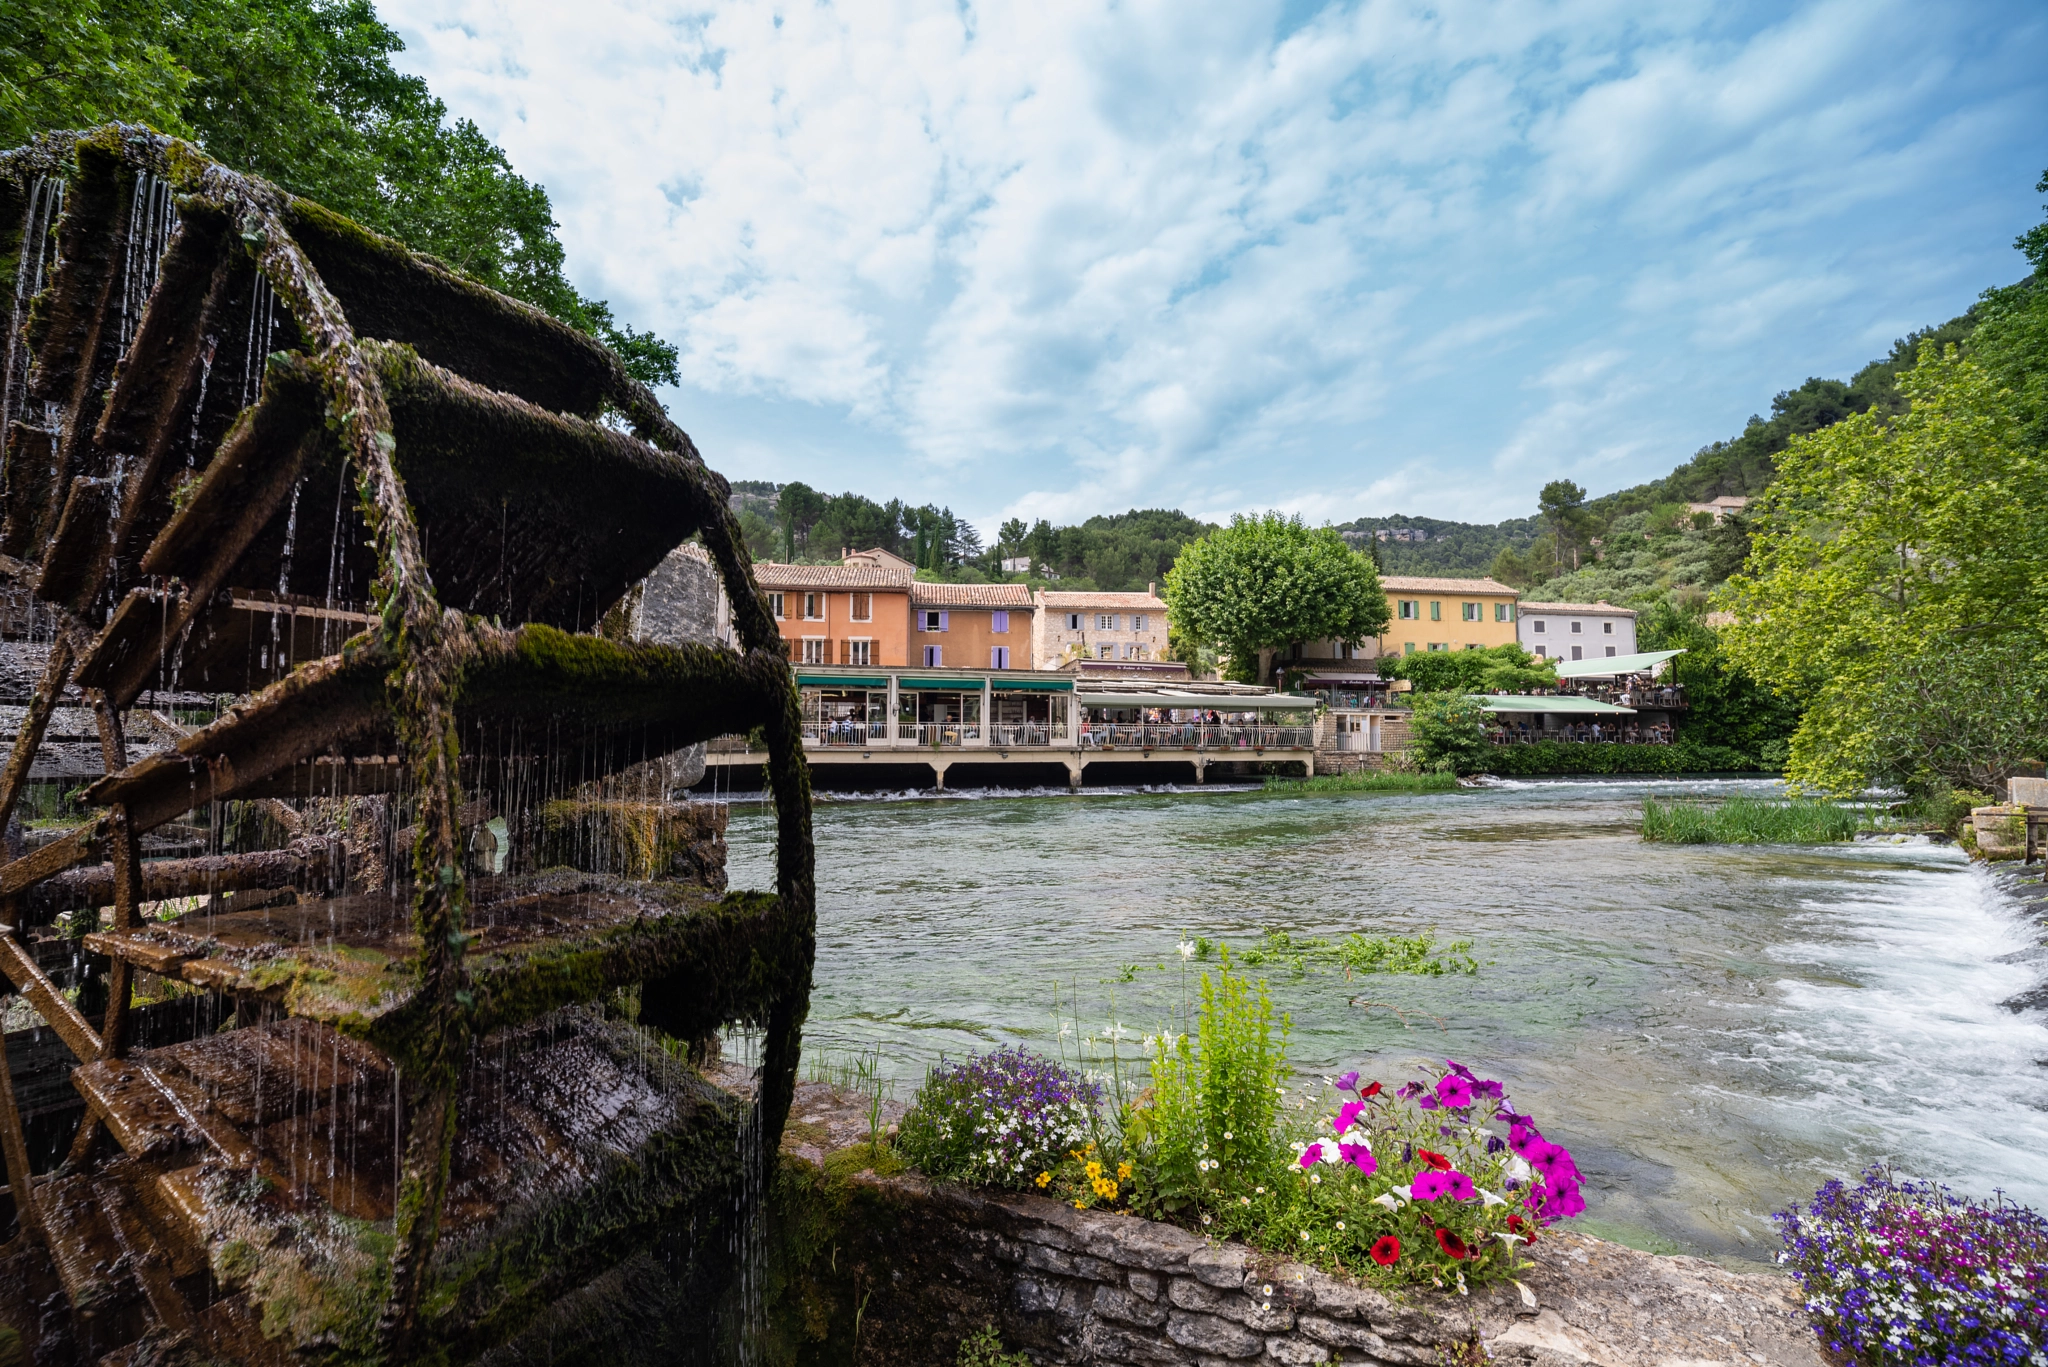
(1525, 1228)
(1451, 1244)
(1372, 1090)
(1435, 1160)
(1386, 1250)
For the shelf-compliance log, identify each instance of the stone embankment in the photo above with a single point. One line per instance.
(928, 1263)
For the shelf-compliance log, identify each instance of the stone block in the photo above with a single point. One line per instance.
(1188, 1294)
(1108, 1343)
(1341, 1299)
(1338, 1334)
(1114, 1303)
(1143, 1244)
(1221, 1267)
(1208, 1334)
(1268, 1316)
(1290, 1352)
(1145, 1285)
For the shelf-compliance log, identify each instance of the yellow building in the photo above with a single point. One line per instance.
(1446, 614)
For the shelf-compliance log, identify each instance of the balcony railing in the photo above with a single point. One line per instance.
(1190, 736)
(1040, 735)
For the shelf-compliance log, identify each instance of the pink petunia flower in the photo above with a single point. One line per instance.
(1454, 1091)
(1459, 1186)
(1347, 1115)
(1360, 1157)
(1430, 1184)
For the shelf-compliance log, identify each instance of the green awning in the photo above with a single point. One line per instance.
(839, 681)
(1613, 664)
(1002, 685)
(950, 685)
(1516, 702)
(1189, 702)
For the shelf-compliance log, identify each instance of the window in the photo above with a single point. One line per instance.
(1540, 650)
(934, 657)
(775, 605)
(1610, 652)
(814, 651)
(1411, 610)
(1137, 652)
(931, 619)
(1472, 611)
(1436, 611)
(999, 624)
(1137, 621)
(1105, 621)
(1608, 627)
(814, 607)
(862, 607)
(999, 657)
(1073, 621)
(1577, 627)
(1503, 612)
(860, 651)
(1577, 653)
(1537, 626)
(1407, 647)
(1105, 652)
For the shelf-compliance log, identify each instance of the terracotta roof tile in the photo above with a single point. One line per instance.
(1142, 602)
(1403, 584)
(773, 574)
(971, 596)
(1579, 607)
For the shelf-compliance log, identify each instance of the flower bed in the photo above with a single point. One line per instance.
(1905, 1274)
(1437, 1181)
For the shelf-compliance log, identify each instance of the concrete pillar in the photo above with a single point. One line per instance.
(1074, 767)
(1201, 769)
(891, 718)
(939, 767)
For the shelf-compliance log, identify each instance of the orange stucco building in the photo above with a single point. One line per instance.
(971, 626)
(847, 614)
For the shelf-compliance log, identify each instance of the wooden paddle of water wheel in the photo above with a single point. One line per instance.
(381, 986)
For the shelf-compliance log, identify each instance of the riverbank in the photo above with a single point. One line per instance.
(898, 1270)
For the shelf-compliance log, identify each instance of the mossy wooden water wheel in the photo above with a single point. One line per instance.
(368, 1075)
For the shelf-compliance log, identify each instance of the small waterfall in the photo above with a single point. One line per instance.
(152, 218)
(38, 259)
(750, 1240)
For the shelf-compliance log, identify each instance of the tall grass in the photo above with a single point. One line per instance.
(1751, 821)
(1365, 781)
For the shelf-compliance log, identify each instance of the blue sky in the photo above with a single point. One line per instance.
(1052, 259)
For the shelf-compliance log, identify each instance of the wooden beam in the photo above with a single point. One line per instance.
(30, 980)
(30, 738)
(80, 845)
(14, 1148)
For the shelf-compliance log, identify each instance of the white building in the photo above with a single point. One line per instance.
(1098, 626)
(1576, 631)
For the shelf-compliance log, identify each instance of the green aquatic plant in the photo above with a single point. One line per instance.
(1752, 821)
(1355, 953)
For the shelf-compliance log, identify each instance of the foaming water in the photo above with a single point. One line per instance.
(1713, 1030)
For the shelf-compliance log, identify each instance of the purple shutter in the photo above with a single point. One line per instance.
(999, 622)
(942, 621)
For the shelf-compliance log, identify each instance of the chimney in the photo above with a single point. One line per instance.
(1152, 589)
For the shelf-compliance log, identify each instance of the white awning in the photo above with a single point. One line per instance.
(1611, 665)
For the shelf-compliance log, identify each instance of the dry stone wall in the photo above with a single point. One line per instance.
(932, 1262)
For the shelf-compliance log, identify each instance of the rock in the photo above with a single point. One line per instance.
(1295, 1353)
(1221, 1267)
(1117, 1304)
(1208, 1334)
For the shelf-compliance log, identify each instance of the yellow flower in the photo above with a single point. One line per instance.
(1123, 1172)
(1080, 1205)
(1094, 1171)
(1044, 1179)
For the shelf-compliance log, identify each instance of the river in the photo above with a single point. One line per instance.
(1712, 1030)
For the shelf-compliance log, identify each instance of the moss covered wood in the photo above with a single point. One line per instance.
(408, 684)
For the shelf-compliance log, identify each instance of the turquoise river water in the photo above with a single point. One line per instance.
(1713, 1031)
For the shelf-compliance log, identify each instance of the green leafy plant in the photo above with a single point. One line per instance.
(1366, 781)
(1751, 821)
(1449, 733)
(1362, 953)
(1215, 1096)
(984, 1348)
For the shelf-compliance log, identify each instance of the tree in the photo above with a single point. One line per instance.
(799, 507)
(1505, 668)
(303, 93)
(1010, 539)
(1563, 507)
(1449, 733)
(1891, 556)
(1265, 582)
(1724, 704)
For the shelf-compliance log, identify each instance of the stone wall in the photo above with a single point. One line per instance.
(898, 1270)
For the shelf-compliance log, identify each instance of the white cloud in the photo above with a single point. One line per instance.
(1053, 259)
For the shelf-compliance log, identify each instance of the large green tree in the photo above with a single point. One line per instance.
(1899, 566)
(1266, 582)
(303, 92)
(1506, 668)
